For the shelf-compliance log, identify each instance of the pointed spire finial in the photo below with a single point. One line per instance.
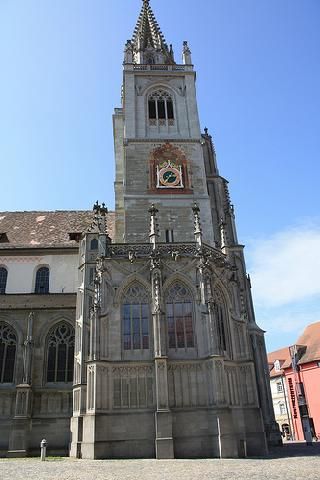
(154, 231)
(148, 42)
(197, 225)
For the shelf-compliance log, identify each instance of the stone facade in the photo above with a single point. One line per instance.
(169, 359)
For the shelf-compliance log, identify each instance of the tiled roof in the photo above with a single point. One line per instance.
(311, 339)
(282, 355)
(45, 229)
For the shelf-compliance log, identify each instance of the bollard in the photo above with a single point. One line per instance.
(43, 447)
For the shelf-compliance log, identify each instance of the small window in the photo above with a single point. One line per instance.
(8, 345)
(276, 365)
(42, 280)
(279, 387)
(170, 109)
(60, 347)
(152, 109)
(169, 236)
(94, 244)
(282, 409)
(3, 279)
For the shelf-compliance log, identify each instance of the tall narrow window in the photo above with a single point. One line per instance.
(94, 244)
(42, 280)
(135, 318)
(3, 279)
(221, 320)
(179, 317)
(8, 345)
(160, 109)
(169, 236)
(60, 353)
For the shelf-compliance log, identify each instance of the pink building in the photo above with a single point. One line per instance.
(300, 371)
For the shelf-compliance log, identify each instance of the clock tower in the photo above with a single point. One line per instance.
(160, 151)
(169, 361)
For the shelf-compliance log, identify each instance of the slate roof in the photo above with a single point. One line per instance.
(40, 229)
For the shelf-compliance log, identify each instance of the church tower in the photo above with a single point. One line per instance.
(169, 361)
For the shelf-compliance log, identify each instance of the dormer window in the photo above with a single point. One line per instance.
(277, 367)
(160, 109)
(3, 237)
(76, 236)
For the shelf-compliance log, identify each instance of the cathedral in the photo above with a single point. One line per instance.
(131, 334)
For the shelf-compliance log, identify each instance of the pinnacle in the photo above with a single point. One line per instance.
(148, 35)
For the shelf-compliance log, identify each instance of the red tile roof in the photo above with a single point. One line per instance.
(282, 355)
(45, 229)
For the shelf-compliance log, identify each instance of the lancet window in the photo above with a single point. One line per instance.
(135, 318)
(160, 109)
(221, 320)
(60, 345)
(3, 279)
(179, 309)
(8, 345)
(42, 280)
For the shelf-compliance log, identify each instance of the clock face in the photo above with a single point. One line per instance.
(169, 176)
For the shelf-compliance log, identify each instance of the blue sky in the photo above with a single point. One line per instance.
(258, 85)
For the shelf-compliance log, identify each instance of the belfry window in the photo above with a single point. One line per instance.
(160, 109)
(42, 280)
(135, 318)
(3, 279)
(179, 308)
(8, 345)
(60, 353)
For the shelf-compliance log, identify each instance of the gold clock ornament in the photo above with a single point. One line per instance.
(169, 175)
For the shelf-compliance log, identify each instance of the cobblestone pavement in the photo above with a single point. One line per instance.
(291, 462)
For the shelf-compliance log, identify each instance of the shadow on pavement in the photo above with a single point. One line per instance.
(295, 449)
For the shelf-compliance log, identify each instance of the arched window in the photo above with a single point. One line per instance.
(8, 345)
(42, 280)
(60, 346)
(3, 279)
(94, 244)
(221, 319)
(160, 108)
(179, 316)
(135, 318)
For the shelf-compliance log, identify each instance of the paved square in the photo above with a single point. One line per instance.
(286, 463)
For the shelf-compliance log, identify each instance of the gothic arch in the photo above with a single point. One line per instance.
(125, 285)
(136, 322)
(222, 314)
(180, 277)
(155, 85)
(8, 349)
(59, 357)
(16, 325)
(180, 314)
(53, 320)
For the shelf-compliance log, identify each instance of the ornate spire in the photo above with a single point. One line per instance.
(154, 230)
(197, 225)
(148, 43)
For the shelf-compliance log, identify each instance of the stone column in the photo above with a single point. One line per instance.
(163, 417)
(18, 441)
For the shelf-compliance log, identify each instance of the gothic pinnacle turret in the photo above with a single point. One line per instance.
(148, 45)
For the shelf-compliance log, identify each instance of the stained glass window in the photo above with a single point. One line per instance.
(135, 318)
(8, 345)
(60, 353)
(3, 279)
(42, 280)
(179, 308)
